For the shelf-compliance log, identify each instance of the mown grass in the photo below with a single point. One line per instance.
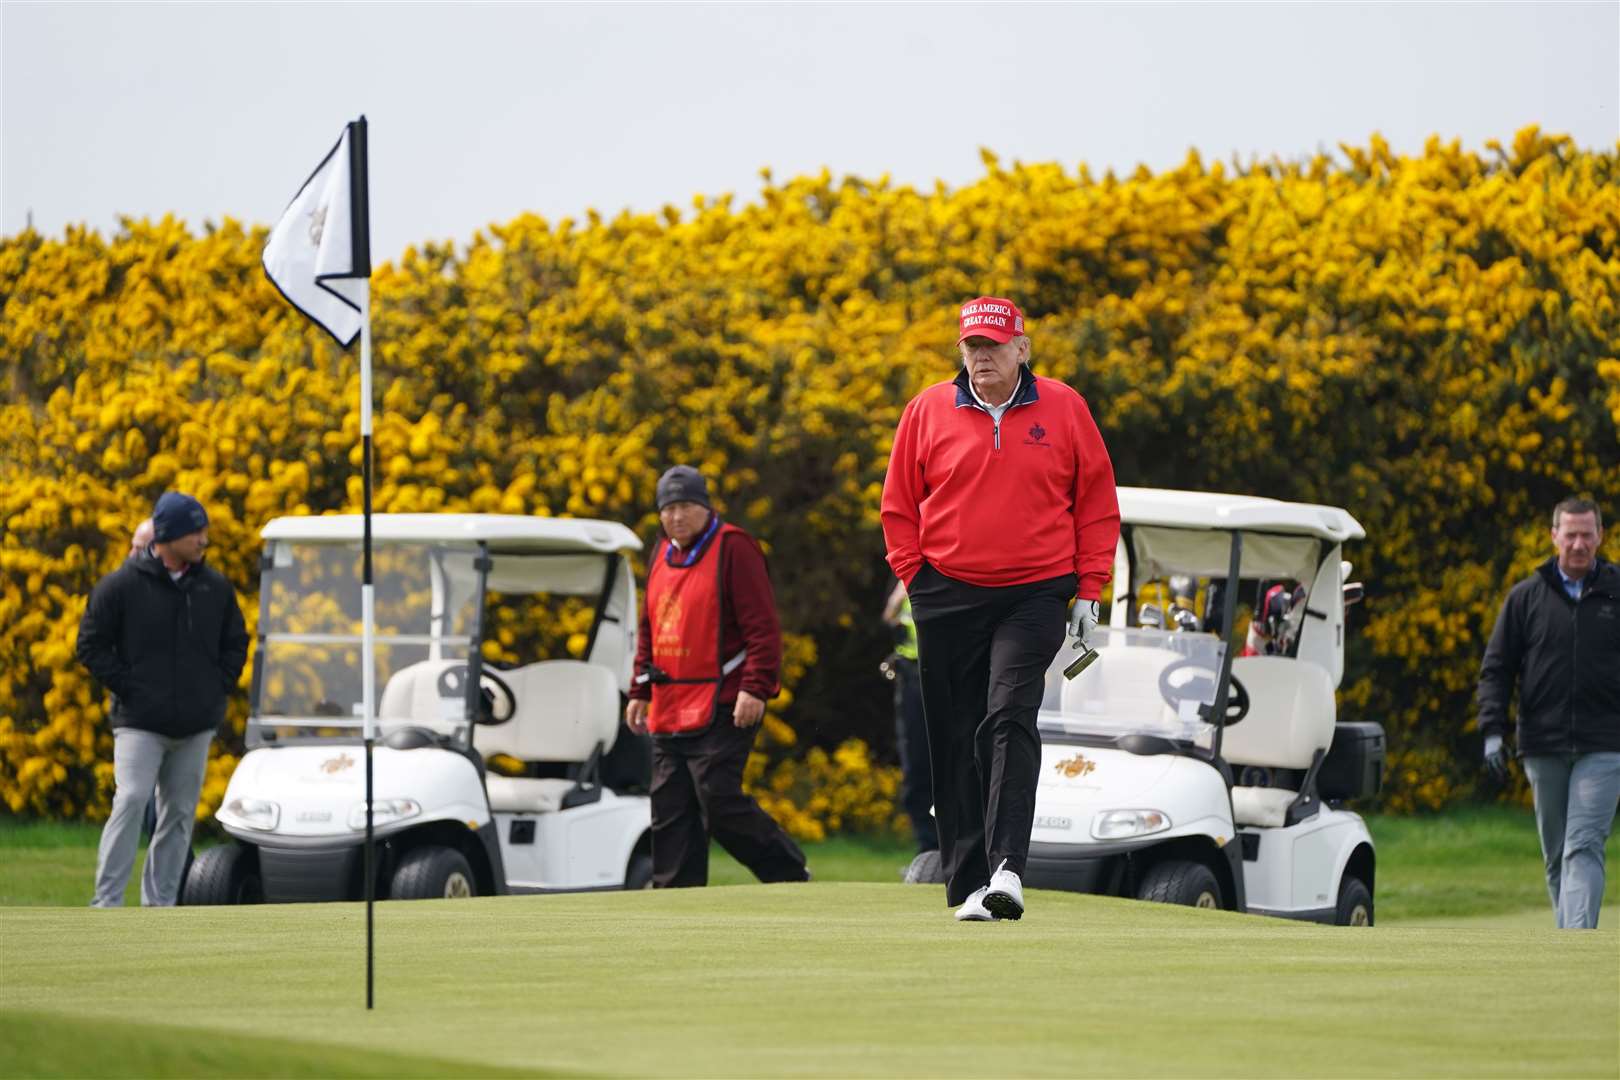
(826, 979)
(53, 864)
(47, 1045)
(1468, 864)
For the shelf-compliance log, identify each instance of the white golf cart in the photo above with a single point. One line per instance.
(1172, 770)
(486, 779)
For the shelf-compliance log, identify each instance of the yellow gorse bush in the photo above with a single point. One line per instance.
(1429, 340)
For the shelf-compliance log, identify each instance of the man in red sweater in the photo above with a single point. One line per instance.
(708, 657)
(998, 509)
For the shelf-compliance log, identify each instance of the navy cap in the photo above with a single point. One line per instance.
(176, 515)
(682, 483)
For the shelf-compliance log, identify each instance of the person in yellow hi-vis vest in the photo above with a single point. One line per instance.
(910, 732)
(708, 657)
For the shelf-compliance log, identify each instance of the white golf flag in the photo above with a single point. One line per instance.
(319, 253)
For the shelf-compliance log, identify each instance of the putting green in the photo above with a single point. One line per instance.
(837, 979)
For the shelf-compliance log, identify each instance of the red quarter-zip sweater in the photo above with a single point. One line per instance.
(994, 505)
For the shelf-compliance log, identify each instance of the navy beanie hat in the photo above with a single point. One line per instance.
(177, 515)
(682, 483)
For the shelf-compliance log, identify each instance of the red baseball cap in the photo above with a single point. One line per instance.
(993, 317)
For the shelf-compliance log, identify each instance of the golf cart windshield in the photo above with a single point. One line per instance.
(1143, 682)
(307, 680)
(1192, 571)
(466, 609)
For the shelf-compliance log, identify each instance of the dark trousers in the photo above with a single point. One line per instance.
(984, 654)
(911, 738)
(697, 793)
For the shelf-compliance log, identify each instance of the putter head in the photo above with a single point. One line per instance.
(1086, 658)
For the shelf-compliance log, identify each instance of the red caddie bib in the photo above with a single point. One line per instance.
(683, 610)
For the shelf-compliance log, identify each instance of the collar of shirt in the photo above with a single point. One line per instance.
(1025, 394)
(1572, 586)
(1018, 384)
(688, 556)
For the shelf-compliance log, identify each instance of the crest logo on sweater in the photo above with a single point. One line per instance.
(1037, 437)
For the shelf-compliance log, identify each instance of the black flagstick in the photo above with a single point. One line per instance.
(360, 231)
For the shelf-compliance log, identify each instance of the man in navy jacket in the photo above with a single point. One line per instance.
(1558, 638)
(164, 633)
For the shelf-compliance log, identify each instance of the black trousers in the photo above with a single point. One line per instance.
(911, 738)
(983, 654)
(697, 793)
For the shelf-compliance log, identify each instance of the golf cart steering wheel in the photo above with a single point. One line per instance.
(453, 684)
(1198, 684)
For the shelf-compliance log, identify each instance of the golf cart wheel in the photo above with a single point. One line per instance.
(926, 869)
(639, 874)
(1181, 881)
(227, 874)
(433, 873)
(1355, 903)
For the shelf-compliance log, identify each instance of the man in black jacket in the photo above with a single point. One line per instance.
(165, 634)
(1558, 637)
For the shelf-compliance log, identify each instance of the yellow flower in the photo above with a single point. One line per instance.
(1428, 340)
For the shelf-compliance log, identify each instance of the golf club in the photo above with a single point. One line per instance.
(1081, 662)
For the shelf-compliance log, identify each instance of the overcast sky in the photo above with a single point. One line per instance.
(480, 112)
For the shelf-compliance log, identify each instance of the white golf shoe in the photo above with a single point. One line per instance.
(1004, 896)
(973, 909)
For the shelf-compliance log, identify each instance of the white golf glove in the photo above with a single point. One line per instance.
(1083, 620)
(1496, 759)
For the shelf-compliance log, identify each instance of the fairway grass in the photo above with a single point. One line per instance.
(826, 979)
(42, 1045)
(1465, 867)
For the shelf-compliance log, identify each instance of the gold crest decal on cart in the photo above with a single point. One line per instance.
(337, 764)
(1079, 765)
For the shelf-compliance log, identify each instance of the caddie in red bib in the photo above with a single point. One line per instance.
(684, 596)
(708, 657)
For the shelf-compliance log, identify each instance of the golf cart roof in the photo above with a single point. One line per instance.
(506, 533)
(1249, 513)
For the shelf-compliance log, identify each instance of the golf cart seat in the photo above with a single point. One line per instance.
(411, 695)
(1289, 726)
(567, 711)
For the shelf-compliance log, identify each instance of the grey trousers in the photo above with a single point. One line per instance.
(1575, 804)
(176, 766)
